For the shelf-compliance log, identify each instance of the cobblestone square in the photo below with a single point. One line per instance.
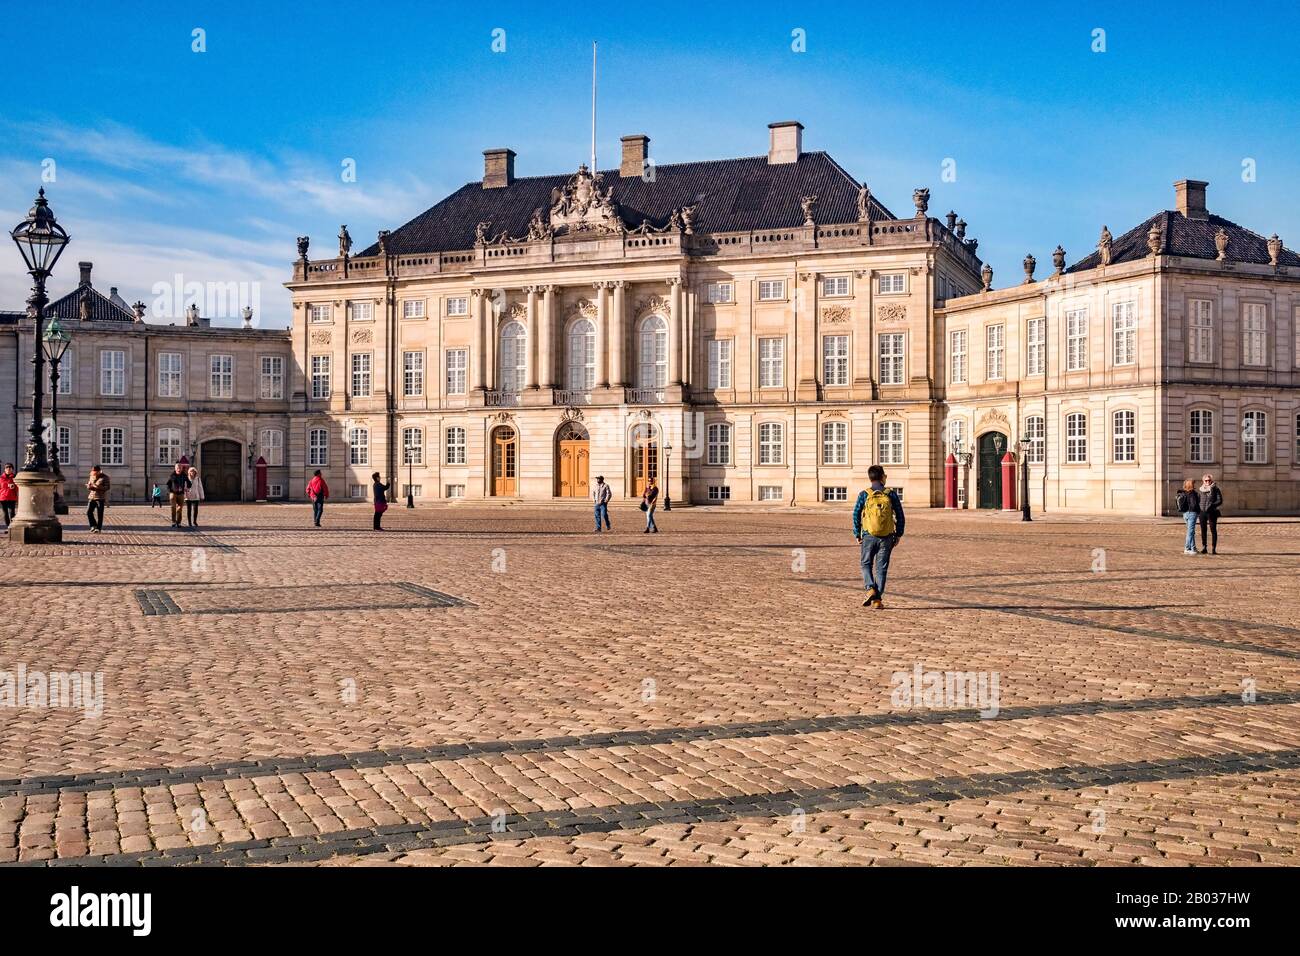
(499, 685)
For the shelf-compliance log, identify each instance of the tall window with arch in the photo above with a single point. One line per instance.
(582, 356)
(1254, 438)
(359, 446)
(514, 357)
(1036, 436)
(1200, 432)
(653, 353)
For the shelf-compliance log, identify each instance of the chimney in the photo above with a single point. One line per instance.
(85, 271)
(785, 143)
(1189, 198)
(498, 168)
(636, 150)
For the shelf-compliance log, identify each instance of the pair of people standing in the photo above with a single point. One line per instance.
(185, 491)
(1201, 504)
(8, 493)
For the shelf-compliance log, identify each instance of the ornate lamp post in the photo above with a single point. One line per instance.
(1022, 452)
(55, 342)
(40, 240)
(410, 473)
(668, 461)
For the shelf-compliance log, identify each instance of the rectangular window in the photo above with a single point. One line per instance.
(1036, 347)
(1076, 340)
(770, 493)
(455, 491)
(1123, 331)
(361, 375)
(275, 491)
(771, 363)
(359, 446)
(415, 491)
(455, 445)
(65, 445)
(1200, 330)
(1295, 325)
(457, 363)
(1254, 334)
(112, 446)
(771, 290)
(412, 446)
(356, 491)
(66, 374)
(892, 283)
(271, 446)
(835, 360)
(413, 309)
(1200, 433)
(1076, 438)
(320, 376)
(320, 313)
(835, 285)
(719, 492)
(719, 363)
(318, 447)
(995, 342)
(719, 442)
(221, 376)
(958, 362)
(457, 305)
(272, 387)
(362, 311)
(890, 439)
(835, 443)
(1123, 433)
(1036, 435)
(771, 443)
(170, 375)
(891, 358)
(1254, 438)
(112, 372)
(169, 446)
(412, 374)
(719, 293)
(835, 493)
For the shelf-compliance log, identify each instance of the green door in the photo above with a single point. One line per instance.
(993, 446)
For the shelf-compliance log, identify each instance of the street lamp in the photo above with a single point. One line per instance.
(41, 240)
(668, 461)
(1022, 452)
(55, 343)
(410, 473)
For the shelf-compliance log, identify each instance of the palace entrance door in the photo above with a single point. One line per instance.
(505, 463)
(992, 446)
(572, 461)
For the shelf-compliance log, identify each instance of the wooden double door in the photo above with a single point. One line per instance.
(221, 470)
(505, 463)
(573, 462)
(645, 459)
(992, 446)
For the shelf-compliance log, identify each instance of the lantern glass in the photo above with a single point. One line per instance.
(40, 238)
(55, 341)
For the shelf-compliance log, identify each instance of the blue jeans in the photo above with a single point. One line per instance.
(1190, 517)
(875, 561)
(602, 511)
(317, 509)
(650, 521)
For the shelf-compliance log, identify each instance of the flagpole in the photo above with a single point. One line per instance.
(593, 107)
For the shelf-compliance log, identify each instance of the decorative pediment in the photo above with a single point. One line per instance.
(837, 313)
(835, 413)
(571, 414)
(517, 311)
(993, 419)
(892, 312)
(652, 304)
(320, 337)
(503, 417)
(585, 308)
(890, 413)
(584, 205)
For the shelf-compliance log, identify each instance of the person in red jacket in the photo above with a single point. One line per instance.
(317, 491)
(8, 493)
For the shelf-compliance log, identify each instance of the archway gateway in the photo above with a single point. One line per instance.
(572, 461)
(992, 446)
(505, 462)
(221, 470)
(645, 458)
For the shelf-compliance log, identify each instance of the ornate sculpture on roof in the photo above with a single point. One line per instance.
(1104, 246)
(345, 242)
(383, 241)
(921, 199)
(585, 204)
(960, 232)
(1029, 264)
(1058, 260)
(986, 275)
(688, 219)
(539, 229)
(303, 243)
(138, 310)
(192, 314)
(84, 305)
(864, 203)
(806, 203)
(1274, 250)
(1221, 243)
(1155, 238)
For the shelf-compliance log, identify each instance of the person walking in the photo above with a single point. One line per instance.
(381, 499)
(193, 495)
(1211, 500)
(97, 486)
(177, 483)
(8, 493)
(878, 534)
(649, 500)
(318, 492)
(1189, 506)
(156, 500)
(601, 495)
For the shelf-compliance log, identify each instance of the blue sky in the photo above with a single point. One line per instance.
(208, 165)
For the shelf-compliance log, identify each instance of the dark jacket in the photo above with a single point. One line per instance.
(1211, 501)
(177, 484)
(1188, 501)
(381, 491)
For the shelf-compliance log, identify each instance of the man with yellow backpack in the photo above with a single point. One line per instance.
(877, 524)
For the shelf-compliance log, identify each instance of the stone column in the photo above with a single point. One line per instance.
(532, 336)
(546, 352)
(618, 335)
(675, 331)
(602, 337)
(490, 373)
(478, 363)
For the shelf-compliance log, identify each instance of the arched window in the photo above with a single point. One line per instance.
(957, 435)
(359, 446)
(1076, 438)
(1035, 434)
(582, 356)
(1254, 438)
(1200, 436)
(1123, 434)
(112, 446)
(771, 443)
(318, 447)
(720, 444)
(412, 446)
(653, 353)
(169, 445)
(514, 357)
(271, 446)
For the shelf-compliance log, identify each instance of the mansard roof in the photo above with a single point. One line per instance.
(1191, 238)
(102, 308)
(732, 195)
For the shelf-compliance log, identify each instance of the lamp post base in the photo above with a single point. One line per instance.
(60, 503)
(34, 522)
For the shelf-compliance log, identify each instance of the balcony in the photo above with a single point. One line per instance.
(501, 399)
(645, 396)
(570, 396)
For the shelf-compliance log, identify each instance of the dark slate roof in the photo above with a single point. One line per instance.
(102, 308)
(1193, 238)
(12, 318)
(732, 194)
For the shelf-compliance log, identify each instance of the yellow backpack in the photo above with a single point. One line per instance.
(878, 514)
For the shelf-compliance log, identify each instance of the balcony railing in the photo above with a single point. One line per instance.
(501, 399)
(644, 396)
(570, 396)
